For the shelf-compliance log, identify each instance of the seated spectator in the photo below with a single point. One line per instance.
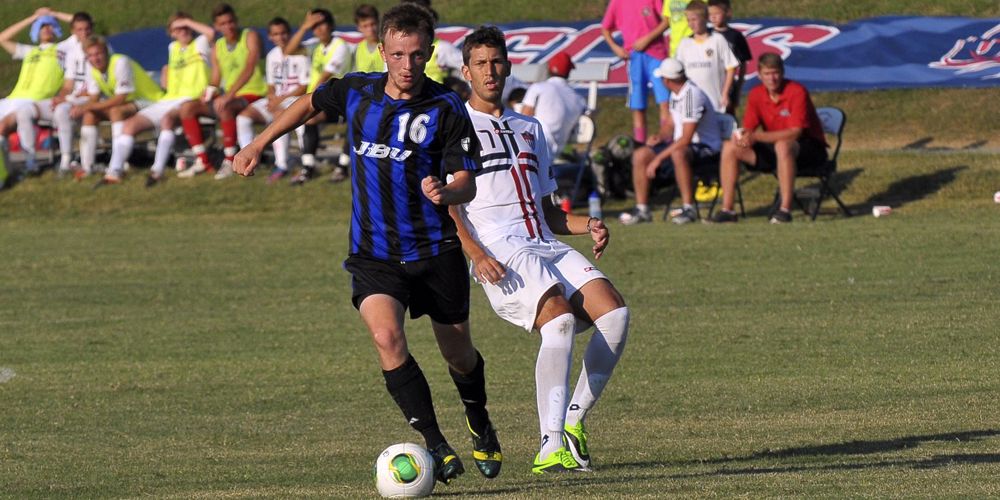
(117, 89)
(555, 104)
(696, 138)
(40, 79)
(780, 127)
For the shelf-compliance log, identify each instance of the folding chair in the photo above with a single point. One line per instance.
(833, 120)
(582, 140)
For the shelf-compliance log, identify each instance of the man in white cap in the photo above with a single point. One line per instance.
(555, 104)
(697, 138)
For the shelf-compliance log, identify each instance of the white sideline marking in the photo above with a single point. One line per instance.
(6, 374)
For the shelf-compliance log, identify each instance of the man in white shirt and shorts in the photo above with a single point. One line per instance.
(556, 105)
(531, 279)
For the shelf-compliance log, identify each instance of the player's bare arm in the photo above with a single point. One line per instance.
(563, 223)
(295, 41)
(687, 135)
(246, 160)
(484, 266)
(462, 189)
(617, 49)
(7, 35)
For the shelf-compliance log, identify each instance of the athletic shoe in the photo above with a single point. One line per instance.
(486, 451)
(276, 175)
(153, 179)
(781, 217)
(108, 180)
(557, 461)
(635, 217)
(195, 169)
(575, 437)
(339, 175)
(226, 170)
(447, 465)
(686, 215)
(723, 217)
(303, 176)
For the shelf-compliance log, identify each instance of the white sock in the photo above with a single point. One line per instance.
(26, 132)
(642, 207)
(280, 147)
(244, 130)
(308, 160)
(164, 145)
(552, 379)
(116, 129)
(88, 147)
(300, 133)
(64, 129)
(599, 360)
(121, 148)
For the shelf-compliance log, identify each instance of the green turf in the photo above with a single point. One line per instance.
(198, 341)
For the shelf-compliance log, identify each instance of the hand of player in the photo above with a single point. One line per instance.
(42, 11)
(620, 52)
(724, 102)
(313, 19)
(745, 140)
(652, 167)
(601, 236)
(433, 189)
(641, 44)
(246, 160)
(488, 270)
(76, 112)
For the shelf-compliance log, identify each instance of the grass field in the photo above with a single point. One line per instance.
(197, 340)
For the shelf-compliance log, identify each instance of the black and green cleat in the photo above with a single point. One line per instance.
(486, 451)
(447, 465)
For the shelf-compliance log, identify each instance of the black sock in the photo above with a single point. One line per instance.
(472, 390)
(310, 140)
(409, 389)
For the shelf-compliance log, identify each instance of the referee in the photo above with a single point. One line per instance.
(406, 133)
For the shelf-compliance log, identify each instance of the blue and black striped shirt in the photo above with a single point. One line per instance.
(393, 145)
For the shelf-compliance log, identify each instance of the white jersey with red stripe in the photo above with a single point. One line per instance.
(514, 177)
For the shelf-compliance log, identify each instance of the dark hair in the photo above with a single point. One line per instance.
(279, 21)
(423, 3)
(458, 86)
(720, 3)
(365, 11)
(516, 95)
(327, 16)
(223, 9)
(490, 36)
(772, 61)
(82, 16)
(408, 18)
(697, 6)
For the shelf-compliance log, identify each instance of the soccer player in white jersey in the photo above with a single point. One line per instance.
(531, 279)
(697, 138)
(74, 91)
(287, 77)
(707, 58)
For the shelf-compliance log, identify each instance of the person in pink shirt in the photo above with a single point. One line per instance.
(643, 47)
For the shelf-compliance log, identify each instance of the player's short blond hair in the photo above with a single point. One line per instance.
(698, 7)
(176, 16)
(98, 40)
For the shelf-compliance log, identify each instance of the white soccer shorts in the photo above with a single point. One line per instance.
(157, 111)
(532, 268)
(261, 106)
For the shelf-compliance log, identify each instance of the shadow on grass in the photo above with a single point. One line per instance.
(849, 448)
(911, 189)
(921, 145)
(841, 182)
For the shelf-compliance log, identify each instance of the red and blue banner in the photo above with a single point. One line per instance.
(877, 53)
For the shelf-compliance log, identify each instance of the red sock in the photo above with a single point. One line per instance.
(229, 138)
(193, 131)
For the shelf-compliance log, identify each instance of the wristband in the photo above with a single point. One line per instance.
(589, 227)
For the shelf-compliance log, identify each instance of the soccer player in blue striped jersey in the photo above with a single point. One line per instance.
(405, 135)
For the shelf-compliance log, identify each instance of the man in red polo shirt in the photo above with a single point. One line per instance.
(780, 127)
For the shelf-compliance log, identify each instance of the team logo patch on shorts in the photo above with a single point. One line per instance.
(589, 269)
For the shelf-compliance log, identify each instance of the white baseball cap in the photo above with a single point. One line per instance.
(670, 69)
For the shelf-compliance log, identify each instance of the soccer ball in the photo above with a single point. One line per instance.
(404, 470)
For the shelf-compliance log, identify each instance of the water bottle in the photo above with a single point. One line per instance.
(594, 204)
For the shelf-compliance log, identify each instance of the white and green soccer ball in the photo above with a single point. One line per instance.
(404, 470)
